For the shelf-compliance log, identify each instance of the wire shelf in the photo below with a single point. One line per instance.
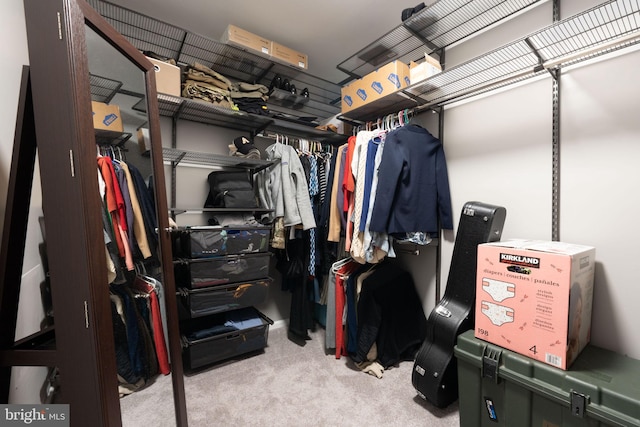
(603, 29)
(597, 31)
(177, 156)
(513, 61)
(103, 89)
(433, 28)
(143, 32)
(149, 34)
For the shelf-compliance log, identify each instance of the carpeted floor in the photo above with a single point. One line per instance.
(289, 385)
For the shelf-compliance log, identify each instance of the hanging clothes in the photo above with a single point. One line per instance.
(390, 315)
(115, 206)
(139, 232)
(342, 273)
(413, 185)
(335, 210)
(289, 189)
(148, 286)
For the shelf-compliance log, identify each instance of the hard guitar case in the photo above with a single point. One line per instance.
(435, 371)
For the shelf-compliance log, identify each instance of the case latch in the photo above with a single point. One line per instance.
(490, 362)
(579, 403)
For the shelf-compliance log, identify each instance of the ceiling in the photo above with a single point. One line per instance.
(328, 31)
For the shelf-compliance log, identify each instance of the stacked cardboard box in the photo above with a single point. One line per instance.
(244, 39)
(424, 70)
(106, 117)
(375, 85)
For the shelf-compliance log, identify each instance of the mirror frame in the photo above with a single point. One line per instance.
(59, 73)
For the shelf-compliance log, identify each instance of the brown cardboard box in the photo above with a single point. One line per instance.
(238, 37)
(375, 85)
(106, 117)
(424, 70)
(144, 141)
(167, 77)
(289, 55)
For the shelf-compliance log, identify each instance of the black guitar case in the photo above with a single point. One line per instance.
(435, 371)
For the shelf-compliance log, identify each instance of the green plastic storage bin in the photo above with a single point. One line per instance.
(501, 388)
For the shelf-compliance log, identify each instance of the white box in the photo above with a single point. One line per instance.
(424, 70)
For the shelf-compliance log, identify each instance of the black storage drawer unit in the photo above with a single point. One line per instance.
(207, 340)
(198, 273)
(209, 241)
(216, 299)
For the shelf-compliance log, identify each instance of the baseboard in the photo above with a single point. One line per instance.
(279, 324)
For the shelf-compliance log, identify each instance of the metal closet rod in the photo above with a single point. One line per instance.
(287, 138)
(311, 145)
(402, 117)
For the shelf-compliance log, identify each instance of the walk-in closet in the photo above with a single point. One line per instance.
(286, 214)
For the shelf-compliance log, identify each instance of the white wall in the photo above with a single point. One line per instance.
(25, 383)
(498, 150)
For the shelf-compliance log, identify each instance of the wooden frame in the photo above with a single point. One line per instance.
(60, 92)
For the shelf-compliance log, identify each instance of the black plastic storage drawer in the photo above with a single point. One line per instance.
(216, 299)
(209, 241)
(198, 273)
(207, 340)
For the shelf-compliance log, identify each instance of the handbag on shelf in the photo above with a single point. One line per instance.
(230, 190)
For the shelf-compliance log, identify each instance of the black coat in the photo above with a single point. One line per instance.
(390, 314)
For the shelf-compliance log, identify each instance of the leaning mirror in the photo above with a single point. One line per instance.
(123, 122)
(106, 216)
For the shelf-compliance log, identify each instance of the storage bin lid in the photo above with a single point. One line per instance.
(610, 381)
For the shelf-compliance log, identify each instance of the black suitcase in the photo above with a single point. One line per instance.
(435, 373)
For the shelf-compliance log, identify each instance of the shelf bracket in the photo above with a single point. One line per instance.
(540, 66)
(261, 128)
(419, 36)
(264, 73)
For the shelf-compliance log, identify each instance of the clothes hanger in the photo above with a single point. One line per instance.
(340, 263)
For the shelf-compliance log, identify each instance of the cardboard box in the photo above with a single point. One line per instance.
(535, 297)
(167, 77)
(242, 38)
(106, 117)
(289, 55)
(144, 141)
(375, 85)
(424, 70)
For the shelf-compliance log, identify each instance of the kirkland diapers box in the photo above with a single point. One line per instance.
(535, 297)
(375, 85)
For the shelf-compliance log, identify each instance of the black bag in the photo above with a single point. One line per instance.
(230, 190)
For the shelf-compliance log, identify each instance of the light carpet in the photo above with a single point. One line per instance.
(289, 385)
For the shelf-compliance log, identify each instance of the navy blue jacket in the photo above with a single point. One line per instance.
(413, 184)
